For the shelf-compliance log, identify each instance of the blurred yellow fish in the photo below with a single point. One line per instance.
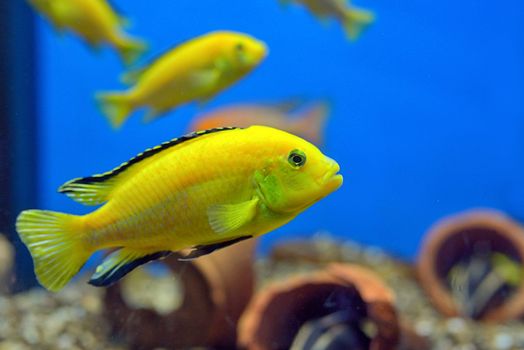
(197, 70)
(353, 19)
(205, 190)
(95, 21)
(308, 123)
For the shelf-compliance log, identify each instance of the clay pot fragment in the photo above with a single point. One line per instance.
(277, 315)
(213, 291)
(305, 250)
(6, 263)
(460, 261)
(410, 340)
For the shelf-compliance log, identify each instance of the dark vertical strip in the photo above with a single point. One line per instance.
(18, 128)
(5, 190)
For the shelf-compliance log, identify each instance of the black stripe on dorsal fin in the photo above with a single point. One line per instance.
(148, 153)
(85, 189)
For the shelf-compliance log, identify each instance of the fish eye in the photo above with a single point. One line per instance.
(239, 47)
(297, 158)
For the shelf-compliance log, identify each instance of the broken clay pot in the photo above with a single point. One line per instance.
(275, 315)
(6, 263)
(456, 237)
(215, 290)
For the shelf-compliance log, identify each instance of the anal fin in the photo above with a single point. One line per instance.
(120, 263)
(205, 249)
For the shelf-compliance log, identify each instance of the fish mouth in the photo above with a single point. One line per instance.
(332, 180)
(262, 50)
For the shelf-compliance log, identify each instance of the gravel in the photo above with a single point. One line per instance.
(73, 319)
(69, 320)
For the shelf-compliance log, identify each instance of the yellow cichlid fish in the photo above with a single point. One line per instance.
(95, 21)
(197, 70)
(204, 191)
(353, 19)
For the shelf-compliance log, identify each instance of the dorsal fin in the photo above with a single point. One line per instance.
(133, 75)
(116, 9)
(94, 190)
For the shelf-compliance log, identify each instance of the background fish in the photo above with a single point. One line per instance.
(205, 190)
(307, 123)
(194, 71)
(93, 20)
(353, 19)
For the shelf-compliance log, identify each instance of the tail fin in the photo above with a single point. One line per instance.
(311, 123)
(131, 49)
(356, 21)
(54, 242)
(115, 106)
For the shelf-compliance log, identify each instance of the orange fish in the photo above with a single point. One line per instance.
(308, 123)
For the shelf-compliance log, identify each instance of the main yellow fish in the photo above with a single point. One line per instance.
(197, 70)
(95, 21)
(352, 18)
(205, 190)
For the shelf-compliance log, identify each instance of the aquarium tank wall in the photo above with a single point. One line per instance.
(419, 108)
(414, 102)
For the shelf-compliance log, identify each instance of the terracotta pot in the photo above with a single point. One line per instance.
(303, 250)
(7, 256)
(276, 313)
(458, 236)
(410, 340)
(216, 289)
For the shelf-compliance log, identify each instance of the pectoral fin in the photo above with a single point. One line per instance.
(205, 78)
(225, 218)
(120, 263)
(200, 250)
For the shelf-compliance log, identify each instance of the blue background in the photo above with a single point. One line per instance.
(428, 114)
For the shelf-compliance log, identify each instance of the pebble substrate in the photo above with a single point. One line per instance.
(69, 320)
(73, 319)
